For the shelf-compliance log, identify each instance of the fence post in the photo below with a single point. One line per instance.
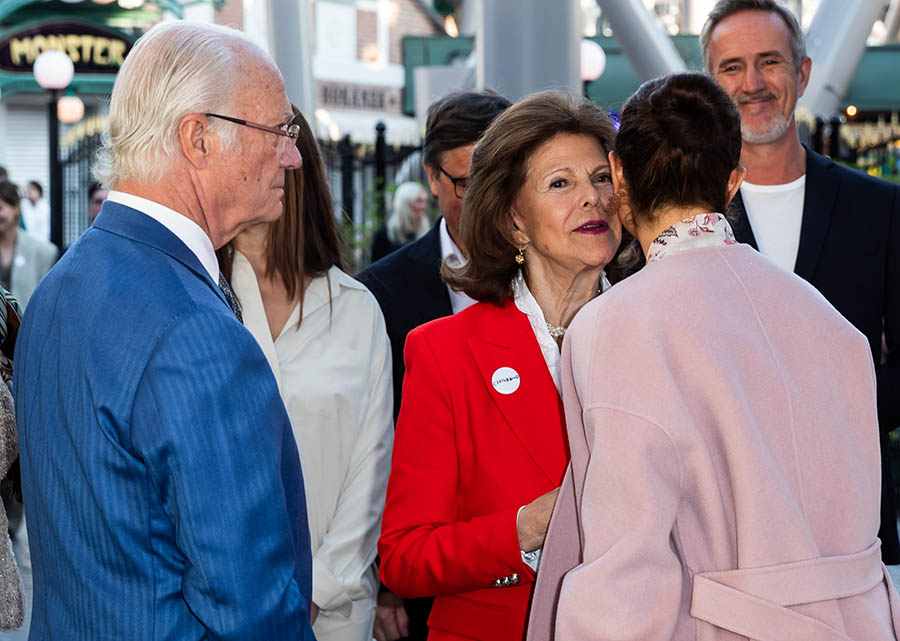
(835, 149)
(819, 136)
(380, 170)
(345, 151)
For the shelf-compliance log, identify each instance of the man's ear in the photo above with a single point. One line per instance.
(432, 179)
(734, 182)
(803, 75)
(195, 139)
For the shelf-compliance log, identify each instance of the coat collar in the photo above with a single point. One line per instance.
(743, 233)
(818, 205)
(534, 410)
(138, 227)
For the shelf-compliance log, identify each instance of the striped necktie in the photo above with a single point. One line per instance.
(229, 296)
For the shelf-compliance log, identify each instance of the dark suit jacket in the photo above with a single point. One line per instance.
(850, 251)
(407, 284)
(164, 491)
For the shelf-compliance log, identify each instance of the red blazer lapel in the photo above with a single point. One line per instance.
(529, 403)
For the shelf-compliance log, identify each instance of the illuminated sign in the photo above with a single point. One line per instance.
(92, 49)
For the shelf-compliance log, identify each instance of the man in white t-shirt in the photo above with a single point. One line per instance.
(36, 211)
(837, 228)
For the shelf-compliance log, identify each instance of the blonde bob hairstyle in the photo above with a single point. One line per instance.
(499, 169)
(174, 69)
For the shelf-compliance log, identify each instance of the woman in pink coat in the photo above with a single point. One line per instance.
(725, 476)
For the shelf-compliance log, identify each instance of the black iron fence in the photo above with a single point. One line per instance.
(361, 178)
(76, 161)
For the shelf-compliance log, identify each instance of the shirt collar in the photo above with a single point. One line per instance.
(702, 230)
(187, 231)
(448, 247)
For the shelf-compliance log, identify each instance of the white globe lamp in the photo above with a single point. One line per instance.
(53, 69)
(593, 61)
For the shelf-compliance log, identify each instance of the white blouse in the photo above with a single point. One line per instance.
(334, 373)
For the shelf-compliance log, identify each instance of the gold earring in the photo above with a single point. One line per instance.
(520, 257)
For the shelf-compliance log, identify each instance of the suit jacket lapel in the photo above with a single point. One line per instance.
(743, 233)
(533, 411)
(427, 290)
(819, 198)
(141, 228)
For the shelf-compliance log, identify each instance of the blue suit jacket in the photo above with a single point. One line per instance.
(161, 478)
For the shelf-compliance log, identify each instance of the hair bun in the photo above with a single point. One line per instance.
(678, 142)
(687, 119)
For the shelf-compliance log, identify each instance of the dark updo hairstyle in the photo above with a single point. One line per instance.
(679, 141)
(9, 193)
(499, 169)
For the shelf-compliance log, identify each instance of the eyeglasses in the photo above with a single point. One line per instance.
(286, 129)
(459, 184)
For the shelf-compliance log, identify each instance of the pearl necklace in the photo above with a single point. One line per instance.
(556, 333)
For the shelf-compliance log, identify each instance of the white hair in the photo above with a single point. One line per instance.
(174, 69)
(398, 223)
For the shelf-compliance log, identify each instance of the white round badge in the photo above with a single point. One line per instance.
(505, 380)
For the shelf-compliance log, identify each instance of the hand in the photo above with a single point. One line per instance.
(391, 620)
(534, 520)
(313, 613)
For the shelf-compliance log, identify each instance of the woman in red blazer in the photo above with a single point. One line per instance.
(480, 447)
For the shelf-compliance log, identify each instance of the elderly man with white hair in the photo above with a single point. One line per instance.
(161, 477)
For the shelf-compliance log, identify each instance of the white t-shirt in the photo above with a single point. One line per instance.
(37, 218)
(776, 213)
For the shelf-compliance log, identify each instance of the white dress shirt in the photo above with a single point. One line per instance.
(450, 252)
(187, 231)
(334, 373)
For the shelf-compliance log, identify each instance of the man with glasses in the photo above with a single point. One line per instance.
(408, 285)
(163, 484)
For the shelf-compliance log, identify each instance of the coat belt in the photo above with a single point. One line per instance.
(754, 602)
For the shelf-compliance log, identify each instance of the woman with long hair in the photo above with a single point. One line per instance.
(324, 337)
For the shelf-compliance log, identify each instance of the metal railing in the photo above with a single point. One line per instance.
(362, 178)
(76, 161)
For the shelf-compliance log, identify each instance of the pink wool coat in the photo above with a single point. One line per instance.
(725, 475)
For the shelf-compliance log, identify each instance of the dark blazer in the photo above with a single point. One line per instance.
(163, 485)
(850, 251)
(407, 284)
(468, 453)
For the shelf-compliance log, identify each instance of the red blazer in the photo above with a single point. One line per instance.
(466, 458)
